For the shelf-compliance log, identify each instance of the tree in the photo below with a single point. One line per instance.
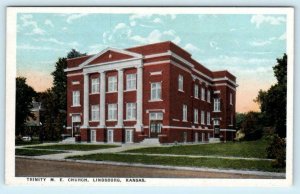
(252, 126)
(273, 102)
(24, 95)
(55, 99)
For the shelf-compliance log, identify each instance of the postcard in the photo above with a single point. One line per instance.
(122, 96)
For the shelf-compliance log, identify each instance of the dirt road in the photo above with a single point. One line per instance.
(46, 168)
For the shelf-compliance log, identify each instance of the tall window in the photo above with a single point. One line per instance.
(195, 115)
(196, 91)
(216, 122)
(95, 112)
(180, 83)
(156, 91)
(130, 111)
(184, 113)
(131, 82)
(230, 98)
(202, 117)
(208, 118)
(95, 85)
(76, 98)
(217, 105)
(208, 96)
(112, 83)
(203, 94)
(112, 111)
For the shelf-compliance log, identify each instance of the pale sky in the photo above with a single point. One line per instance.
(245, 45)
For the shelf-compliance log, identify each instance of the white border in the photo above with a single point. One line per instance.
(10, 91)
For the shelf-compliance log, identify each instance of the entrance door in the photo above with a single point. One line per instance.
(93, 136)
(76, 122)
(110, 136)
(196, 137)
(129, 136)
(155, 128)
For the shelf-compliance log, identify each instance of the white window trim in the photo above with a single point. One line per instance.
(215, 107)
(115, 80)
(108, 110)
(208, 118)
(184, 113)
(133, 117)
(202, 117)
(157, 98)
(180, 84)
(230, 98)
(208, 96)
(97, 84)
(127, 80)
(97, 119)
(202, 93)
(196, 119)
(76, 105)
(196, 96)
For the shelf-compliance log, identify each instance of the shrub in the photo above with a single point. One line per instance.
(277, 150)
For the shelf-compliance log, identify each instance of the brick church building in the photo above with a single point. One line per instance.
(151, 91)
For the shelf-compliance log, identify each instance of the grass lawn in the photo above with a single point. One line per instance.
(31, 152)
(183, 161)
(77, 147)
(255, 149)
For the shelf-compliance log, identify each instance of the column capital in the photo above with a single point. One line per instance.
(139, 66)
(120, 69)
(101, 71)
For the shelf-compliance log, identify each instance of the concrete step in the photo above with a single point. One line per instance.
(214, 140)
(150, 141)
(69, 140)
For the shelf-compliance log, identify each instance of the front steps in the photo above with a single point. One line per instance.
(214, 140)
(150, 141)
(69, 140)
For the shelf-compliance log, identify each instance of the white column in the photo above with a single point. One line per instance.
(139, 99)
(102, 99)
(120, 97)
(85, 101)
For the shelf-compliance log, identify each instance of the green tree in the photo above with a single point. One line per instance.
(55, 99)
(273, 102)
(252, 125)
(24, 95)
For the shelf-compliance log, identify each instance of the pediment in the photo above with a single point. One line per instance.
(110, 55)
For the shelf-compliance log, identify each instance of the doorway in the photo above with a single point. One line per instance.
(93, 136)
(155, 128)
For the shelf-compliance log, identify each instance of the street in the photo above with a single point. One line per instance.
(46, 168)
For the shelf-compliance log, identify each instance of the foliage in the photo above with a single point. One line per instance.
(24, 95)
(240, 117)
(54, 100)
(277, 150)
(31, 152)
(273, 102)
(252, 126)
(77, 147)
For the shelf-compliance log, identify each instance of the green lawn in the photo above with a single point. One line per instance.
(256, 149)
(32, 152)
(183, 161)
(76, 147)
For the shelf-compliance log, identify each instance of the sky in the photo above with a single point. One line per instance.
(244, 44)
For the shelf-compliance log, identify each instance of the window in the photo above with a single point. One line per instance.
(76, 118)
(202, 117)
(110, 135)
(195, 115)
(196, 91)
(231, 119)
(208, 118)
(130, 111)
(208, 96)
(217, 104)
(156, 116)
(203, 94)
(112, 111)
(180, 83)
(216, 122)
(95, 112)
(76, 98)
(156, 91)
(184, 113)
(95, 85)
(131, 82)
(112, 84)
(230, 98)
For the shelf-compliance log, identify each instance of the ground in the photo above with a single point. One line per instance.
(42, 168)
(238, 158)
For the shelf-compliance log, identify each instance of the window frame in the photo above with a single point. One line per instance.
(95, 114)
(208, 118)
(112, 112)
(203, 93)
(196, 91)
(95, 85)
(184, 113)
(217, 105)
(208, 96)
(202, 117)
(131, 81)
(180, 83)
(155, 91)
(196, 115)
(112, 84)
(75, 98)
(131, 111)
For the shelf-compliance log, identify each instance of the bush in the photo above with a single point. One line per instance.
(277, 150)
